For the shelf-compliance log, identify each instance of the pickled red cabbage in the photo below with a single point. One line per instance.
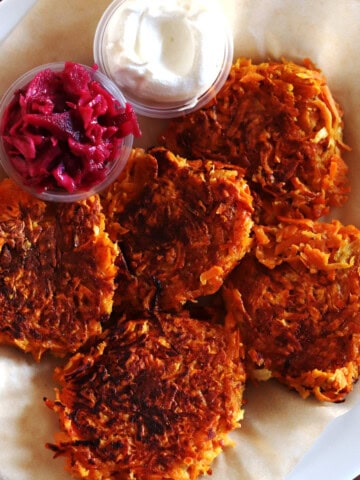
(63, 130)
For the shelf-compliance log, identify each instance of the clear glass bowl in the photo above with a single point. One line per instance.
(144, 105)
(61, 195)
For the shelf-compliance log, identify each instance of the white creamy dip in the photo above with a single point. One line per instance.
(165, 50)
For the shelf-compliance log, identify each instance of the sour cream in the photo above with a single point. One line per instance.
(165, 51)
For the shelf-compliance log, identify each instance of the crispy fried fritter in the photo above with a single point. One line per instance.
(154, 400)
(297, 301)
(181, 227)
(57, 272)
(280, 122)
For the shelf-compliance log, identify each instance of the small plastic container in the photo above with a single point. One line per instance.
(113, 168)
(174, 28)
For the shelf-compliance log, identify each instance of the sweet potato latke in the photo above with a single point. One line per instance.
(154, 400)
(181, 227)
(280, 122)
(297, 301)
(57, 271)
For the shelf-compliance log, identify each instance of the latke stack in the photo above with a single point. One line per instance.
(205, 264)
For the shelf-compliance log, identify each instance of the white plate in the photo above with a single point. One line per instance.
(11, 12)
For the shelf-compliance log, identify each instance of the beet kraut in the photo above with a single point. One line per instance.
(64, 130)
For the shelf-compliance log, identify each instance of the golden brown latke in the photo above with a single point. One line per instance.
(154, 400)
(297, 301)
(57, 272)
(181, 227)
(280, 122)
